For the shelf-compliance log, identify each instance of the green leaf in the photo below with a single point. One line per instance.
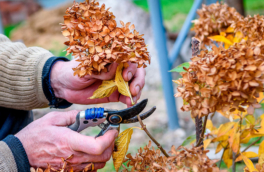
(180, 67)
(189, 140)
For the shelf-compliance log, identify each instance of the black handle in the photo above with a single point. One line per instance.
(76, 124)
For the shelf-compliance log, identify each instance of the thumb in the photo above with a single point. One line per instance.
(107, 75)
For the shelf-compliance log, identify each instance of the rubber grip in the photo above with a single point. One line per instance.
(76, 124)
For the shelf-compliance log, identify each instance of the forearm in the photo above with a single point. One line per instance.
(21, 75)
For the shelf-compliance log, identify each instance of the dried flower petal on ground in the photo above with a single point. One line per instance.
(96, 41)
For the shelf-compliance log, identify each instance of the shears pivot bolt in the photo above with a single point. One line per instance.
(115, 119)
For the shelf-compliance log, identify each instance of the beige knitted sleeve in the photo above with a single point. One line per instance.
(20, 75)
(7, 160)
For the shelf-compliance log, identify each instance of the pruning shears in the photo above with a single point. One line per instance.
(108, 119)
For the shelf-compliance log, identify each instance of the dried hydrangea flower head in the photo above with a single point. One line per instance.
(96, 41)
(223, 79)
(213, 19)
(182, 159)
(252, 27)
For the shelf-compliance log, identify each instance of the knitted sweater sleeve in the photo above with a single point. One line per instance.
(21, 75)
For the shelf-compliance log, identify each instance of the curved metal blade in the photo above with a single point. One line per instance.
(142, 116)
(129, 112)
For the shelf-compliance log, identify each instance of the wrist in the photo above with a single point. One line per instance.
(55, 76)
(52, 78)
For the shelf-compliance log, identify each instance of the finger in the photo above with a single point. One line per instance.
(96, 146)
(107, 75)
(129, 72)
(80, 157)
(82, 96)
(62, 118)
(138, 82)
(87, 166)
(139, 95)
(127, 100)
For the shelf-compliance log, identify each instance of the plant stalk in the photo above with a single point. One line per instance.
(151, 137)
(221, 159)
(200, 141)
(233, 162)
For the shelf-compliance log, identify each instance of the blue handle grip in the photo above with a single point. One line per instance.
(94, 113)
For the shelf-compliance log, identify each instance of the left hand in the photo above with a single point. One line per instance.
(78, 90)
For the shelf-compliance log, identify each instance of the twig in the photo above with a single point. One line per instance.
(221, 159)
(202, 134)
(261, 101)
(151, 137)
(233, 162)
(253, 143)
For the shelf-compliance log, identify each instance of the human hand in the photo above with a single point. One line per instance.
(78, 90)
(47, 140)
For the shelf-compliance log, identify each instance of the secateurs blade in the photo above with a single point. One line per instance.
(108, 119)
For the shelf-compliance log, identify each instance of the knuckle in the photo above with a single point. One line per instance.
(98, 150)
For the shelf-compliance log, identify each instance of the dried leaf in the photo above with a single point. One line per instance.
(104, 90)
(122, 85)
(121, 144)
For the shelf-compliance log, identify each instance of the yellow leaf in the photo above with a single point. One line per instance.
(219, 38)
(261, 148)
(261, 159)
(218, 148)
(247, 154)
(221, 138)
(104, 90)
(245, 136)
(248, 163)
(122, 85)
(227, 157)
(232, 134)
(230, 37)
(236, 143)
(239, 35)
(209, 125)
(207, 142)
(224, 128)
(229, 30)
(250, 119)
(222, 34)
(227, 46)
(121, 143)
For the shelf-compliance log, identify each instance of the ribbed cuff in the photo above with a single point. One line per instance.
(54, 102)
(18, 152)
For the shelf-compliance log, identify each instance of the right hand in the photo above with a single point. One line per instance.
(48, 139)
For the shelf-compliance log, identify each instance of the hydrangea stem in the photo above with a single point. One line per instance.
(151, 137)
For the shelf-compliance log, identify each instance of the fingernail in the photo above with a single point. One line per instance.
(116, 135)
(134, 99)
(129, 75)
(137, 89)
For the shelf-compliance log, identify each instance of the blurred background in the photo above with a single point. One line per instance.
(36, 23)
